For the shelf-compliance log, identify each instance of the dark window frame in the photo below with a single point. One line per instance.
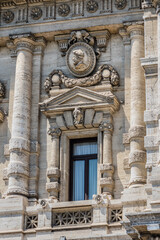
(86, 158)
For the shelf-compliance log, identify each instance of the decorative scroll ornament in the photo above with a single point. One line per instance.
(105, 73)
(64, 10)
(2, 115)
(2, 90)
(8, 16)
(78, 116)
(54, 132)
(120, 4)
(92, 6)
(36, 13)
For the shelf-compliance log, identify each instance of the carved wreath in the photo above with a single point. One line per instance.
(112, 77)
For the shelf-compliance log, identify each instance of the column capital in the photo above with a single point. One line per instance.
(26, 41)
(125, 36)
(54, 132)
(156, 4)
(106, 127)
(135, 29)
(147, 4)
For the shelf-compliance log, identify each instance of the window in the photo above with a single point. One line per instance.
(83, 165)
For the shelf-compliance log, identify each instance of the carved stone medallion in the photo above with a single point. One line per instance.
(81, 59)
(120, 4)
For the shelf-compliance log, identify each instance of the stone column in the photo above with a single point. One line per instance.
(53, 172)
(107, 169)
(19, 145)
(137, 156)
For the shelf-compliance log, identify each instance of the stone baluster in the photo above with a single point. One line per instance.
(107, 169)
(137, 156)
(19, 146)
(53, 172)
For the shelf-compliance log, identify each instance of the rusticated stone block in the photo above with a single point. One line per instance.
(18, 168)
(137, 156)
(126, 138)
(106, 181)
(53, 172)
(19, 143)
(137, 132)
(106, 167)
(52, 186)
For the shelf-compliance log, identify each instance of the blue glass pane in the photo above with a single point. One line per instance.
(85, 148)
(78, 180)
(92, 177)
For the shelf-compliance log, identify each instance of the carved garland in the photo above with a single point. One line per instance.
(57, 78)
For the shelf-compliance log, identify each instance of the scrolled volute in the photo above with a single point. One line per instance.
(54, 132)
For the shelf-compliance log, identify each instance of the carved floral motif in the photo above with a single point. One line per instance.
(64, 10)
(8, 16)
(120, 4)
(36, 13)
(92, 6)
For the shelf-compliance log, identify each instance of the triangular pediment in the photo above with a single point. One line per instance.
(77, 96)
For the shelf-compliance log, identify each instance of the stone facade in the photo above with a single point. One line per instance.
(75, 70)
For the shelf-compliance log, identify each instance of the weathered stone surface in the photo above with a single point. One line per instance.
(112, 49)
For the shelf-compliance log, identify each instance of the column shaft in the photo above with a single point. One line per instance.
(53, 172)
(106, 169)
(137, 128)
(18, 169)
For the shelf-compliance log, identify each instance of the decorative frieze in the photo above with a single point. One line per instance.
(24, 13)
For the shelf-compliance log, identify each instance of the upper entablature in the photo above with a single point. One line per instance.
(37, 11)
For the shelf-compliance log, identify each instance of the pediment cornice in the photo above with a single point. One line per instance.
(80, 97)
